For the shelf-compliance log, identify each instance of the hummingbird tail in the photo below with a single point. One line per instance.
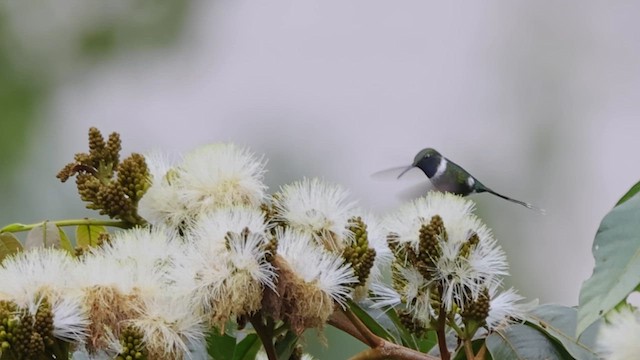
(525, 204)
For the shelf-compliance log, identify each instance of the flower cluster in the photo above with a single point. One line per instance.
(109, 185)
(447, 266)
(211, 250)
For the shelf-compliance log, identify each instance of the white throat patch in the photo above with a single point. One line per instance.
(442, 167)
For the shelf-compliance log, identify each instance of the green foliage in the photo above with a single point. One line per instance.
(617, 263)
(89, 235)
(523, 342)
(45, 235)
(9, 245)
(634, 190)
(559, 323)
(226, 347)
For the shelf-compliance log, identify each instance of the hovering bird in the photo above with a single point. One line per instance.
(445, 175)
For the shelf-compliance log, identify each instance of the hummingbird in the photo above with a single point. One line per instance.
(447, 176)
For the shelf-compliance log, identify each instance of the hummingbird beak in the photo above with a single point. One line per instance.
(405, 170)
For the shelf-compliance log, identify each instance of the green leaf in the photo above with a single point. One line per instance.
(427, 342)
(247, 348)
(617, 267)
(559, 322)
(9, 245)
(220, 346)
(44, 235)
(285, 346)
(476, 345)
(522, 342)
(634, 190)
(87, 235)
(369, 316)
(65, 243)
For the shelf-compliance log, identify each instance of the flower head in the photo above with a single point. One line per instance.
(208, 178)
(226, 277)
(169, 326)
(221, 175)
(618, 337)
(310, 280)
(438, 237)
(317, 208)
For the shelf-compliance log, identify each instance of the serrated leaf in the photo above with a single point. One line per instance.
(559, 322)
(45, 235)
(220, 346)
(616, 250)
(87, 235)
(520, 342)
(65, 243)
(634, 190)
(247, 348)
(367, 314)
(9, 245)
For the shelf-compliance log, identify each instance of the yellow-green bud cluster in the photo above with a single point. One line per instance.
(25, 336)
(109, 185)
(469, 245)
(132, 345)
(358, 253)
(477, 310)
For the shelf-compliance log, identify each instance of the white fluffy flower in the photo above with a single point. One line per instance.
(221, 175)
(455, 211)
(315, 265)
(317, 208)
(210, 229)
(506, 307)
(171, 328)
(161, 204)
(208, 178)
(36, 271)
(467, 259)
(31, 278)
(226, 279)
(618, 337)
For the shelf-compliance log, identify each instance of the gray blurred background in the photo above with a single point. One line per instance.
(539, 100)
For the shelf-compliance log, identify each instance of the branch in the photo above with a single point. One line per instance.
(381, 349)
(441, 334)
(388, 350)
(265, 335)
(17, 227)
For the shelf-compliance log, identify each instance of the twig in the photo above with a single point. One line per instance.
(372, 339)
(441, 334)
(380, 348)
(17, 227)
(468, 349)
(388, 350)
(265, 334)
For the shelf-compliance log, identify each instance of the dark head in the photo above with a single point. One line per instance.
(428, 161)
